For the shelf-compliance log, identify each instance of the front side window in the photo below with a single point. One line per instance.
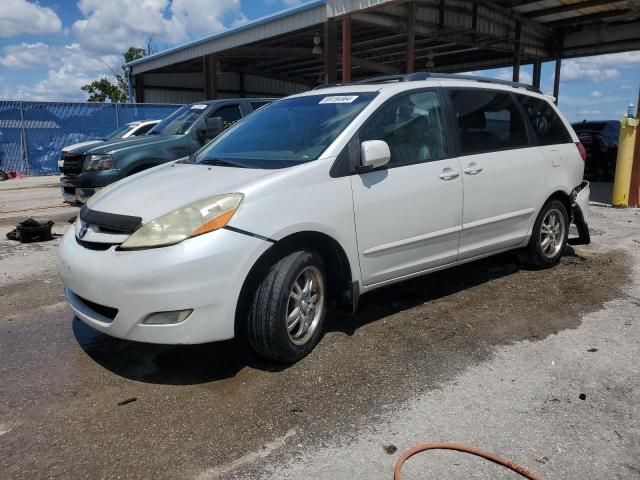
(287, 132)
(487, 121)
(546, 123)
(230, 114)
(412, 125)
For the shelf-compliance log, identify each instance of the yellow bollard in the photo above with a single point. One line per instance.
(624, 162)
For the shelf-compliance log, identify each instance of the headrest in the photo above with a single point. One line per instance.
(475, 119)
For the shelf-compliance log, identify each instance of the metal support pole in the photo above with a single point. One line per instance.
(537, 73)
(330, 46)
(24, 149)
(210, 74)
(517, 53)
(411, 37)
(634, 190)
(556, 79)
(474, 18)
(346, 49)
(129, 85)
(624, 163)
(139, 84)
(634, 193)
(117, 117)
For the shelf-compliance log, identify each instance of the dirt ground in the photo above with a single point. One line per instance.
(462, 355)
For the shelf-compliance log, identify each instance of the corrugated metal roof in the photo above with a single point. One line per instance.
(450, 36)
(549, 11)
(302, 16)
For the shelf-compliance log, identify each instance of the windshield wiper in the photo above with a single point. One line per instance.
(219, 162)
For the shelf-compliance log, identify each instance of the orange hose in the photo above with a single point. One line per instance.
(460, 448)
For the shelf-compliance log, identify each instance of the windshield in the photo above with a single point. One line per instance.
(287, 132)
(179, 121)
(118, 132)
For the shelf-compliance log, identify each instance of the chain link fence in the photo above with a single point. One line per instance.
(32, 134)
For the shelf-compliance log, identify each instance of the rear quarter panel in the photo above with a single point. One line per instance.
(571, 170)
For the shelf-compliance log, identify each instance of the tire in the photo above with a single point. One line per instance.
(3, 176)
(541, 254)
(274, 329)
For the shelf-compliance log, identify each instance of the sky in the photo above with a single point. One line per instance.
(50, 48)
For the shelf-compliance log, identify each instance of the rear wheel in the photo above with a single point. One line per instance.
(286, 317)
(549, 236)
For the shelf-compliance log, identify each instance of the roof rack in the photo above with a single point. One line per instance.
(413, 77)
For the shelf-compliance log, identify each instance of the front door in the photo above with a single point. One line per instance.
(408, 214)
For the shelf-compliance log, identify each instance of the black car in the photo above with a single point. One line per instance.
(600, 140)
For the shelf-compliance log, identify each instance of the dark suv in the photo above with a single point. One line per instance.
(87, 169)
(600, 140)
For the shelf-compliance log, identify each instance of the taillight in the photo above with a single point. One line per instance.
(583, 152)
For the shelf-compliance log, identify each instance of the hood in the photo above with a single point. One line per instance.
(162, 189)
(68, 148)
(118, 145)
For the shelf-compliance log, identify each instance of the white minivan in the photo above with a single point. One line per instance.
(318, 198)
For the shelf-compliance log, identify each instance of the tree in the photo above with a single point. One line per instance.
(116, 90)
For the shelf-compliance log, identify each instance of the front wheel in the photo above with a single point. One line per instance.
(549, 235)
(286, 317)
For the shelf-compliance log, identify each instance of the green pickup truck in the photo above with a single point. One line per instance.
(87, 169)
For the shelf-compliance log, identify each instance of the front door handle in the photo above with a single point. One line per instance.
(449, 174)
(472, 169)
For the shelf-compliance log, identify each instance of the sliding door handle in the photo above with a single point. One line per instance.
(449, 174)
(472, 169)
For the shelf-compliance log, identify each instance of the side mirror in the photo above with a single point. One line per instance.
(374, 153)
(213, 126)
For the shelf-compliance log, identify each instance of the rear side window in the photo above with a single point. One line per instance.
(487, 121)
(546, 123)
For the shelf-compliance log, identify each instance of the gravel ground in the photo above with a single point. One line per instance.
(488, 354)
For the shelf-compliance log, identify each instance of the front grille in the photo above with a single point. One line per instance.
(103, 310)
(71, 162)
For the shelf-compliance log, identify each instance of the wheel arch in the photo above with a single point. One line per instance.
(563, 197)
(338, 270)
(556, 194)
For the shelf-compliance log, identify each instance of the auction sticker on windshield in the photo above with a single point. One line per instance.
(339, 99)
(199, 106)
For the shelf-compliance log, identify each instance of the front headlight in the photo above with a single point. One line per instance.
(98, 162)
(192, 220)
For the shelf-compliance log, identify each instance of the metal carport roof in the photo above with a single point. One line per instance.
(395, 36)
